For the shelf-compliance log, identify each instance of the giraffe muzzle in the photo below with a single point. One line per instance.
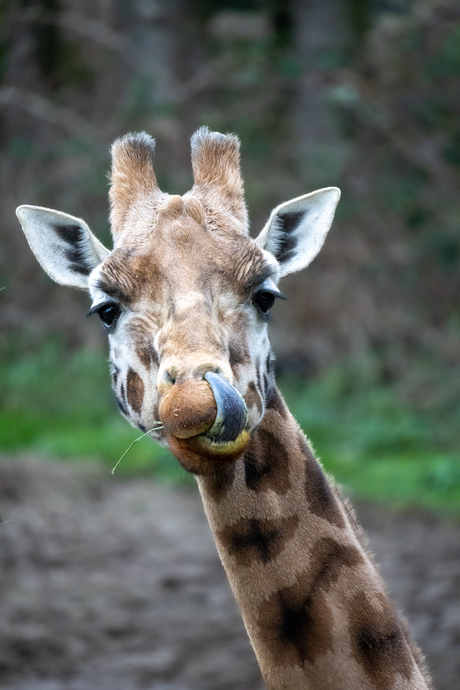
(211, 409)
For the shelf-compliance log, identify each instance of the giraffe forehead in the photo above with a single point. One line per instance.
(180, 261)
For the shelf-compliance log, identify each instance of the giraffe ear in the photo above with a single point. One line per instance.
(64, 245)
(296, 230)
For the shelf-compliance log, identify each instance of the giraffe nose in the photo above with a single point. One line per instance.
(206, 404)
(188, 408)
(176, 374)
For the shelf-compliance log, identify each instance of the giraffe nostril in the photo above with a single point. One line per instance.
(166, 379)
(203, 369)
(176, 374)
(213, 370)
(170, 376)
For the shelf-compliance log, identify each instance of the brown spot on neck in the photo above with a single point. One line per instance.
(295, 629)
(296, 622)
(217, 485)
(276, 403)
(320, 498)
(265, 463)
(272, 449)
(378, 641)
(250, 540)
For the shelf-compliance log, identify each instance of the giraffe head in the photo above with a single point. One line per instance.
(185, 294)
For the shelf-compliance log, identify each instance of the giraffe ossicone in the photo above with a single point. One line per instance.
(185, 296)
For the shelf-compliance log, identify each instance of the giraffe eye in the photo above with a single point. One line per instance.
(109, 313)
(264, 300)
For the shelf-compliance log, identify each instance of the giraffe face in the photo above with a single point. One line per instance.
(185, 294)
(187, 301)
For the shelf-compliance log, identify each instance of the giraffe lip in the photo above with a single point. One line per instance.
(222, 449)
(231, 414)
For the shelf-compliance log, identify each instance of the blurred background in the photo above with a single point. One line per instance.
(362, 94)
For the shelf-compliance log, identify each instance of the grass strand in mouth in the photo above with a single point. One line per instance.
(155, 428)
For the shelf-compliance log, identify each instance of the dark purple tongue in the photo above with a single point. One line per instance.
(231, 410)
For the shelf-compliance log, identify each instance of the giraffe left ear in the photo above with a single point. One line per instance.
(63, 245)
(296, 230)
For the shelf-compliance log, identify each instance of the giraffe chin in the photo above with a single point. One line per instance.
(201, 455)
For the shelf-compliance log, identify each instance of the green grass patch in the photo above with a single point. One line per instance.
(383, 441)
(380, 441)
(60, 405)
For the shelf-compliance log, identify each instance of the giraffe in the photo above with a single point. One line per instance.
(185, 298)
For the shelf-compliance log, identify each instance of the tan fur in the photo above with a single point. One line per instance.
(132, 178)
(217, 176)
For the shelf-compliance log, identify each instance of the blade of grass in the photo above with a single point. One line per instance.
(155, 428)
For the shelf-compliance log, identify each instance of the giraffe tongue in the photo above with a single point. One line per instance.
(211, 407)
(231, 410)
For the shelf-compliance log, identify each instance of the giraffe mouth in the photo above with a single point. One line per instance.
(205, 423)
(227, 436)
(219, 451)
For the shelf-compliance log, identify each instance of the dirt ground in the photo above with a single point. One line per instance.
(114, 584)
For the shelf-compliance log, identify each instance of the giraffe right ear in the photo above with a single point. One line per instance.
(64, 245)
(296, 230)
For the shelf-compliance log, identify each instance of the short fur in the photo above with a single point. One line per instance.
(217, 175)
(132, 178)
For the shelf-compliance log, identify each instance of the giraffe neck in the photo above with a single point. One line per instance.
(313, 605)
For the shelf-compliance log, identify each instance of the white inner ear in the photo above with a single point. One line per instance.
(63, 244)
(296, 230)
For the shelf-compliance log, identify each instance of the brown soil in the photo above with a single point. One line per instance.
(112, 584)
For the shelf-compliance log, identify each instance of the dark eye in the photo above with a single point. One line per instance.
(109, 313)
(264, 300)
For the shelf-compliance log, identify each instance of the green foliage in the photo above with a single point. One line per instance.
(60, 405)
(446, 61)
(378, 444)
